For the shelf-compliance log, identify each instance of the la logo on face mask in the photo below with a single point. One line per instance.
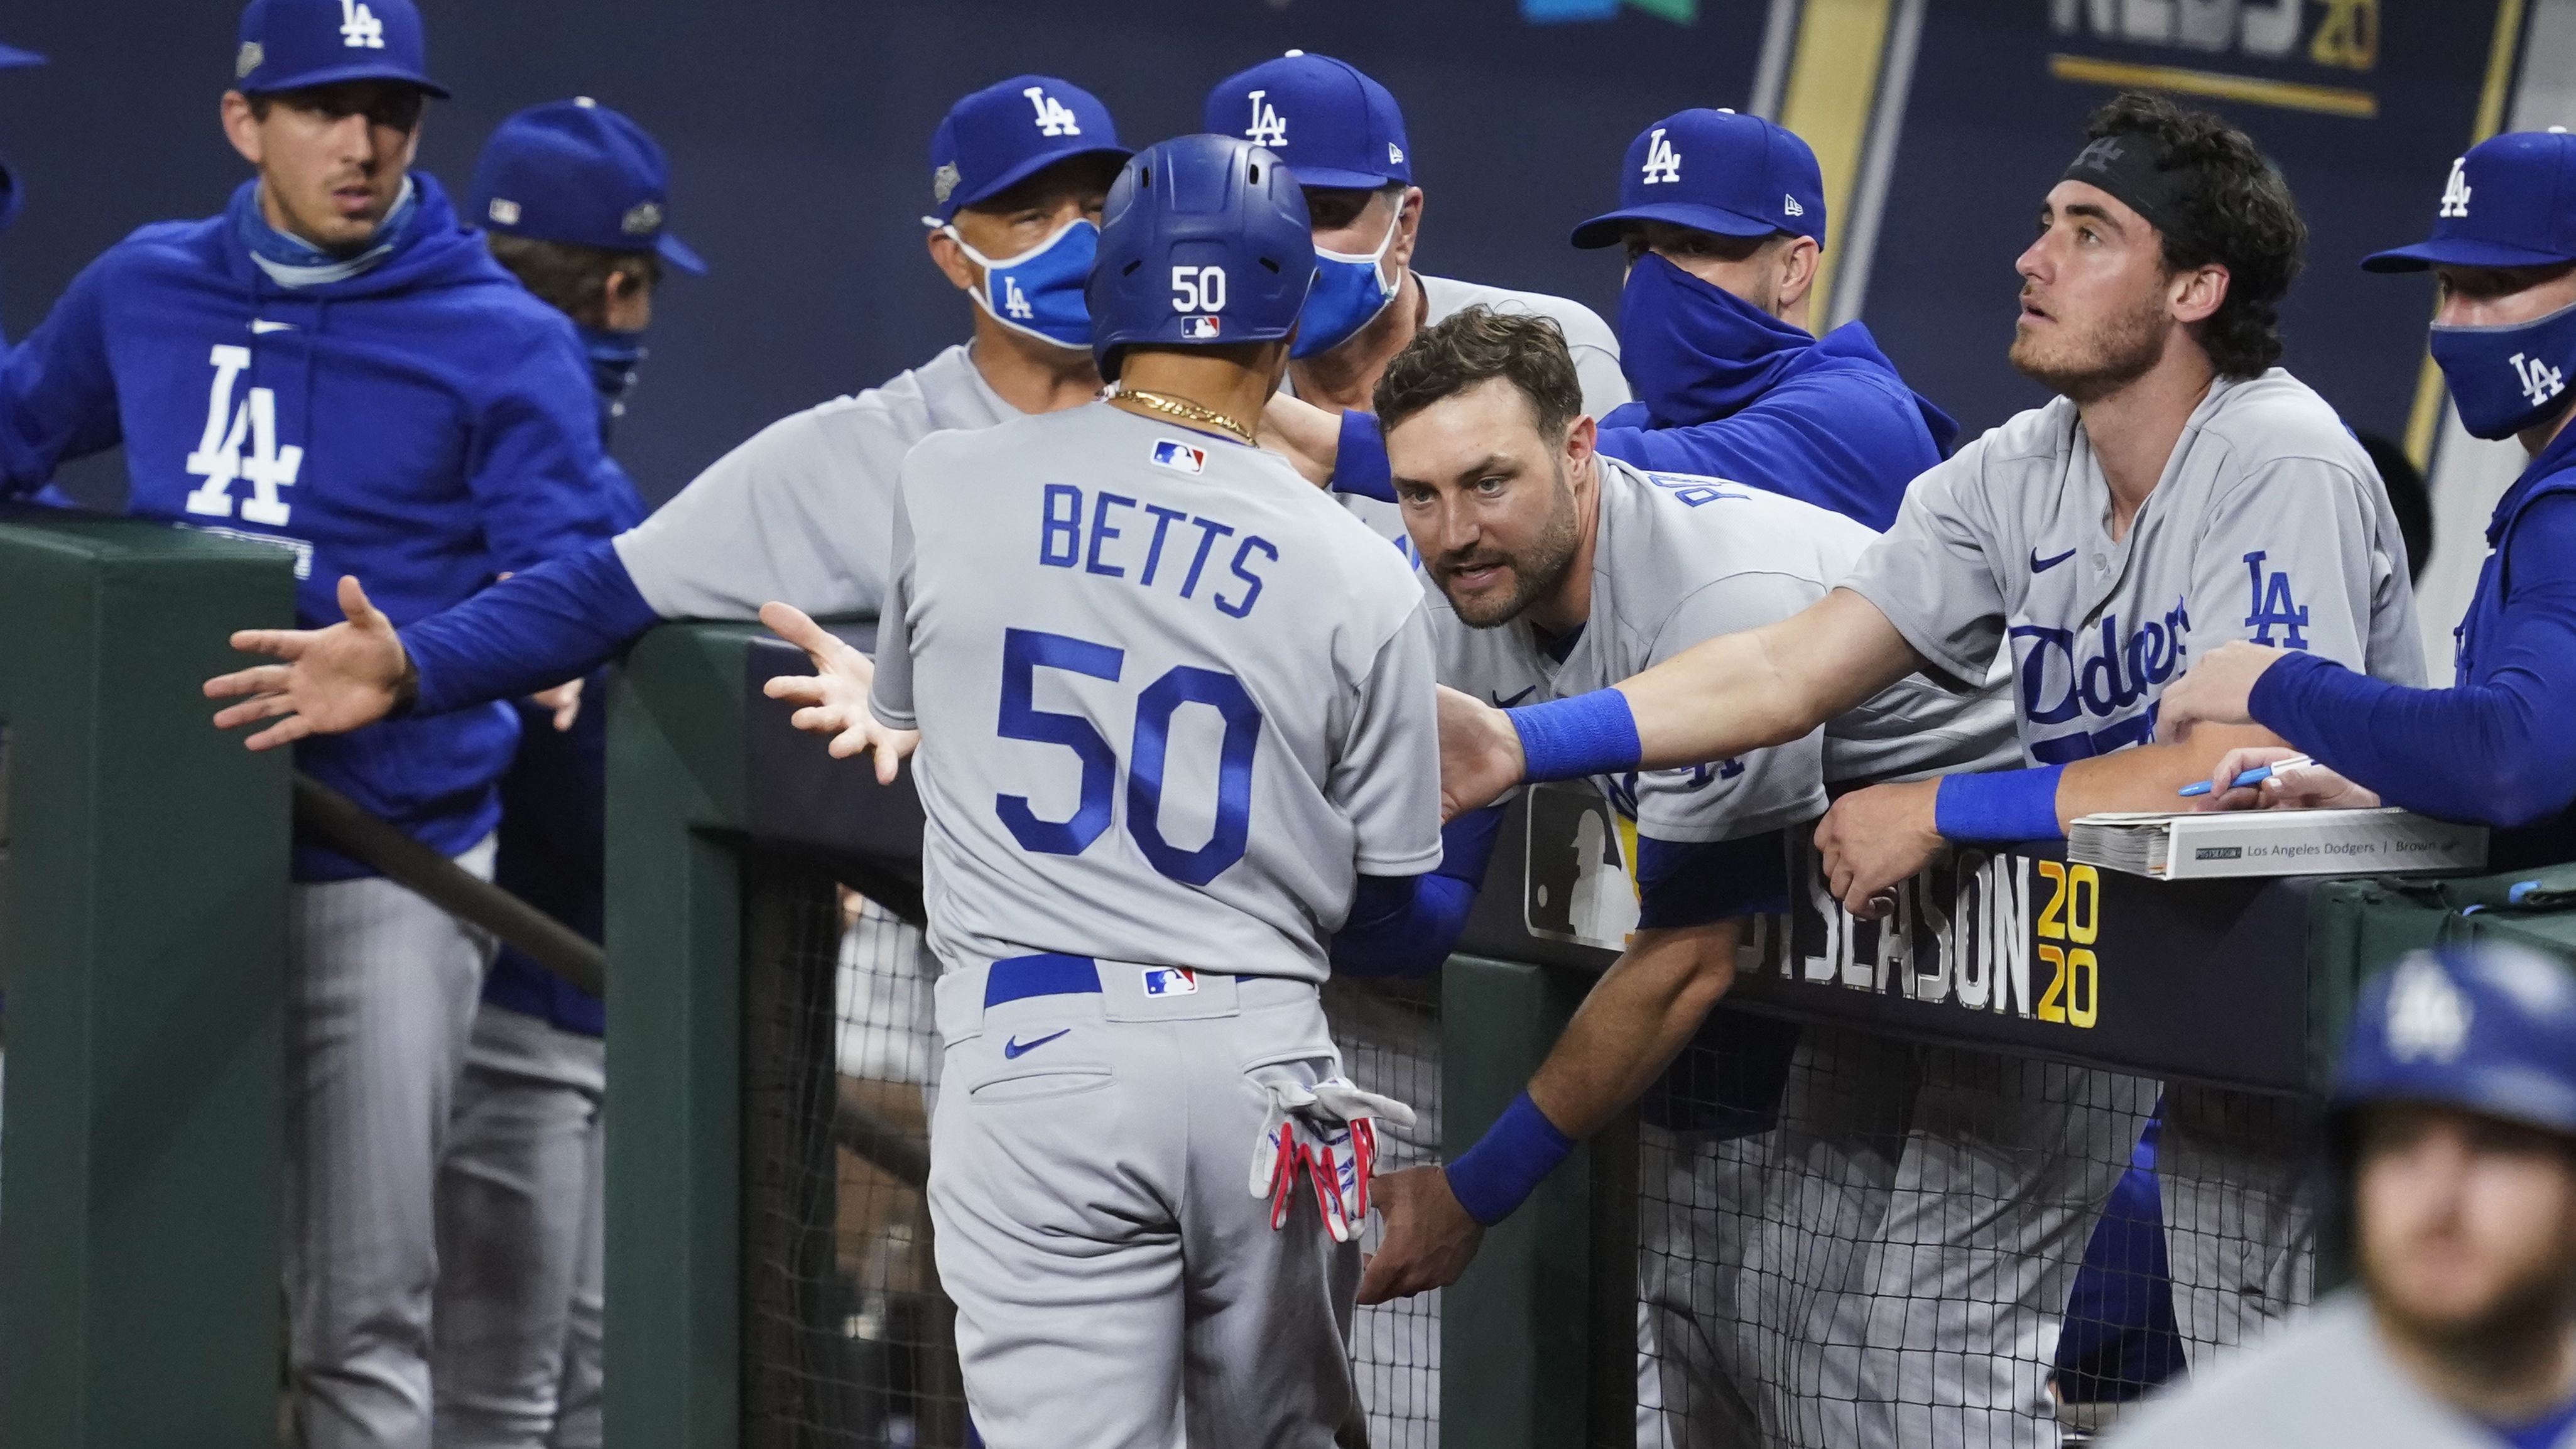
(2540, 381)
(2455, 193)
(1266, 128)
(1013, 301)
(1053, 118)
(1663, 163)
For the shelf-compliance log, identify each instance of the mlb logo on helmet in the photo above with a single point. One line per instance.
(1179, 456)
(1199, 329)
(1171, 981)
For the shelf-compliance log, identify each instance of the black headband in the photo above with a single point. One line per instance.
(2131, 168)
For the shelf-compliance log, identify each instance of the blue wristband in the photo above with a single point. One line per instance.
(2003, 805)
(1498, 1173)
(1572, 739)
(1359, 461)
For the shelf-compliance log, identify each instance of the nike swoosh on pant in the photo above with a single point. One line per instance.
(1015, 1048)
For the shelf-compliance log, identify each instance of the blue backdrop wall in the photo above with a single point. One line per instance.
(798, 131)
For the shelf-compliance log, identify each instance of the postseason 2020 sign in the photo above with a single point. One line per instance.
(2011, 949)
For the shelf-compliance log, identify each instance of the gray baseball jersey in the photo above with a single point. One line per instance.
(800, 511)
(1677, 560)
(2327, 1380)
(1596, 363)
(1089, 595)
(2270, 524)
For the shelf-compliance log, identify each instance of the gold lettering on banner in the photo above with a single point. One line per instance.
(2348, 36)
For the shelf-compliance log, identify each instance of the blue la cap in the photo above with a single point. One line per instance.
(1009, 131)
(2510, 202)
(2485, 1026)
(11, 57)
(287, 45)
(1334, 126)
(576, 171)
(1716, 171)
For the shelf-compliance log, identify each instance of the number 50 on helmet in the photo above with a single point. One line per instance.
(1204, 242)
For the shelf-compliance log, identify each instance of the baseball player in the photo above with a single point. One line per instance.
(1556, 571)
(799, 512)
(1722, 219)
(2504, 252)
(2180, 492)
(335, 366)
(2453, 1133)
(1343, 135)
(1129, 1000)
(573, 197)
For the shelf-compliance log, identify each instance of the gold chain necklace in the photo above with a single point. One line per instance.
(1184, 408)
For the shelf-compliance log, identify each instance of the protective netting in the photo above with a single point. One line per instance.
(1843, 1239)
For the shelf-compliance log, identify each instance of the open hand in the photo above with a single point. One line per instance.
(1429, 1240)
(333, 681)
(2218, 687)
(835, 695)
(1480, 753)
(1874, 839)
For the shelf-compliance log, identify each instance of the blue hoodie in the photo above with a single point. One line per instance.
(424, 424)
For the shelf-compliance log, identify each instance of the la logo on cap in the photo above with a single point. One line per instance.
(1266, 128)
(359, 27)
(1663, 163)
(2427, 1015)
(2455, 194)
(1053, 118)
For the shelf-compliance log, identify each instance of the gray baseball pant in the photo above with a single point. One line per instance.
(1115, 1279)
(383, 987)
(2232, 1169)
(516, 1362)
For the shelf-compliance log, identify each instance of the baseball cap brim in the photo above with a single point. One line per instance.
(680, 254)
(1605, 231)
(11, 57)
(1022, 172)
(1334, 178)
(362, 71)
(2459, 252)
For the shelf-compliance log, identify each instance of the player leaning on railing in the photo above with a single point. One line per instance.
(1120, 630)
(2496, 746)
(2180, 492)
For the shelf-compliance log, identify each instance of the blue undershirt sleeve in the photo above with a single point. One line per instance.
(1839, 439)
(531, 631)
(2495, 750)
(1407, 925)
(1692, 884)
(1360, 465)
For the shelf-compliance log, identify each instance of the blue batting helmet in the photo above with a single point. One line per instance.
(1205, 241)
(2488, 1028)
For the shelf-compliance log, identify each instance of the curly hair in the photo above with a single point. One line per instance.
(2239, 216)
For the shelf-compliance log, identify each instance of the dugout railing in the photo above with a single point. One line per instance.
(734, 841)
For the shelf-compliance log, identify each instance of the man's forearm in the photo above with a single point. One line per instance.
(1742, 692)
(1638, 1017)
(2150, 777)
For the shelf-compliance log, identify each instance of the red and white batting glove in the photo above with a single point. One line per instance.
(1329, 1130)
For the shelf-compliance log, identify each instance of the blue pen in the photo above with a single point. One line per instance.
(2255, 776)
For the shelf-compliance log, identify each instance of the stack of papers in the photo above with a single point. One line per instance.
(2201, 845)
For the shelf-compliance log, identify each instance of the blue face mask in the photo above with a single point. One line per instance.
(1693, 351)
(2506, 379)
(1039, 292)
(1348, 294)
(614, 356)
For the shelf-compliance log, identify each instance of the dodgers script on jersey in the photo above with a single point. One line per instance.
(2269, 524)
(800, 511)
(1678, 560)
(1173, 702)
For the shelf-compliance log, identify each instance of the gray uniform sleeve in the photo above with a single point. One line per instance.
(1386, 777)
(890, 698)
(1604, 385)
(2292, 556)
(1933, 577)
(796, 513)
(1763, 790)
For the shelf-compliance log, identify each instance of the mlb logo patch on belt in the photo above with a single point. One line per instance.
(1179, 455)
(1171, 981)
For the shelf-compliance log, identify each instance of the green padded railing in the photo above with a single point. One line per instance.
(142, 948)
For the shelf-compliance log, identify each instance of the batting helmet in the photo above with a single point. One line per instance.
(2489, 1029)
(1205, 241)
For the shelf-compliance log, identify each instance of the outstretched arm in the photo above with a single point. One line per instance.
(1714, 701)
